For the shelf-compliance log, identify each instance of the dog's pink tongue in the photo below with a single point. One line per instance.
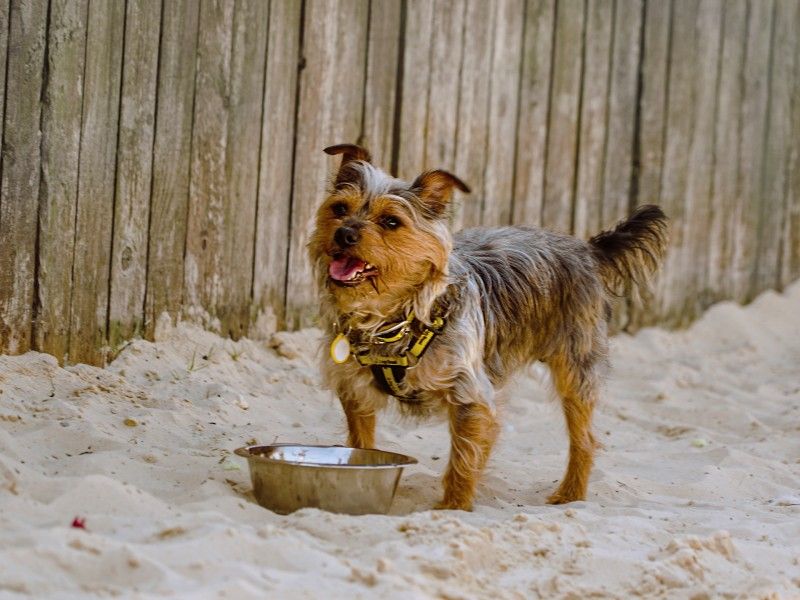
(345, 268)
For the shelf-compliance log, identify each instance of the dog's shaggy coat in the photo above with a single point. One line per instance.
(510, 296)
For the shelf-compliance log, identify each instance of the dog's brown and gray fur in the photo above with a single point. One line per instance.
(513, 295)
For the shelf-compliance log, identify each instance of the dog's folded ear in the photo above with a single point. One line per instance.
(350, 154)
(435, 189)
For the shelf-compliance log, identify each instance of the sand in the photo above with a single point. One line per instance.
(696, 495)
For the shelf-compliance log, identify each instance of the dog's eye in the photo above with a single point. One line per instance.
(339, 209)
(390, 222)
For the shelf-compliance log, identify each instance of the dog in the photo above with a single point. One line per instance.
(439, 323)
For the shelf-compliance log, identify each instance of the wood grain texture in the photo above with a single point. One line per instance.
(171, 161)
(503, 102)
(594, 118)
(5, 12)
(275, 174)
(753, 126)
(95, 204)
(776, 173)
(134, 172)
(242, 163)
(329, 112)
(445, 70)
(383, 48)
(21, 161)
(623, 103)
(653, 104)
(726, 201)
(205, 245)
(653, 101)
(790, 255)
(534, 107)
(622, 108)
(702, 160)
(678, 136)
(562, 136)
(473, 112)
(415, 83)
(58, 189)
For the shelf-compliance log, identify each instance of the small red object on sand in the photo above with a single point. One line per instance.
(79, 523)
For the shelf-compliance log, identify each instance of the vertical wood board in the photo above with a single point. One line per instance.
(134, 171)
(329, 112)
(534, 108)
(275, 175)
(562, 135)
(171, 161)
(95, 203)
(21, 161)
(58, 191)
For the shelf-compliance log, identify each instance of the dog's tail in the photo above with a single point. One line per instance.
(631, 252)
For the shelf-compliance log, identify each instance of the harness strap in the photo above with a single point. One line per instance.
(390, 371)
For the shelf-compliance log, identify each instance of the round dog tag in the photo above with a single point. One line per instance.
(340, 349)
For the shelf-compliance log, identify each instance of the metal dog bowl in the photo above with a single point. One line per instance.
(287, 477)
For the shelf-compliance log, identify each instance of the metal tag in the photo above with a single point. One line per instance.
(340, 349)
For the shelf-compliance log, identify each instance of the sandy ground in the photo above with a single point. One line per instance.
(696, 495)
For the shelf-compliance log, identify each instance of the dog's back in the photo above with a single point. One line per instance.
(541, 291)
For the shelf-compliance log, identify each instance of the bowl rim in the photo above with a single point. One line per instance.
(401, 460)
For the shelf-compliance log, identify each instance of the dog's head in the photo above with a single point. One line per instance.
(378, 239)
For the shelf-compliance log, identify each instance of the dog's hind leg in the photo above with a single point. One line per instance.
(576, 383)
(473, 431)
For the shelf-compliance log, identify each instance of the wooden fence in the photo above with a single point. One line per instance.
(166, 155)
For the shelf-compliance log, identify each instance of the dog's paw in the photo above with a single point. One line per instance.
(560, 497)
(453, 505)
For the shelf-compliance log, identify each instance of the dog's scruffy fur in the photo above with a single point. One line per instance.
(512, 296)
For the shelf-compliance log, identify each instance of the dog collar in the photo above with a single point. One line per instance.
(389, 371)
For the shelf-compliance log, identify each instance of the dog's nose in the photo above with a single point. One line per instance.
(346, 236)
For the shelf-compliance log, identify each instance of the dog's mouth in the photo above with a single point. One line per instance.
(350, 270)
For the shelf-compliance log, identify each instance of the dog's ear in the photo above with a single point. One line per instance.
(435, 189)
(350, 154)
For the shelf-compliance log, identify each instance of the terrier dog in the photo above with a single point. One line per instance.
(440, 322)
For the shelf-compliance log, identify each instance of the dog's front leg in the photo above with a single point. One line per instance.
(473, 430)
(360, 423)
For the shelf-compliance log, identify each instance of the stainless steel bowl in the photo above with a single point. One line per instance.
(287, 477)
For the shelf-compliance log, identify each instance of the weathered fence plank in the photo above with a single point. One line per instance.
(653, 101)
(95, 203)
(445, 70)
(413, 107)
(4, 18)
(473, 112)
(171, 161)
(587, 206)
(622, 108)
(724, 206)
(242, 163)
(21, 159)
(330, 111)
(621, 125)
(205, 244)
(790, 258)
(699, 185)
(534, 107)
(383, 53)
(275, 178)
(562, 136)
(58, 191)
(134, 172)
(754, 131)
(677, 144)
(503, 101)
(778, 143)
